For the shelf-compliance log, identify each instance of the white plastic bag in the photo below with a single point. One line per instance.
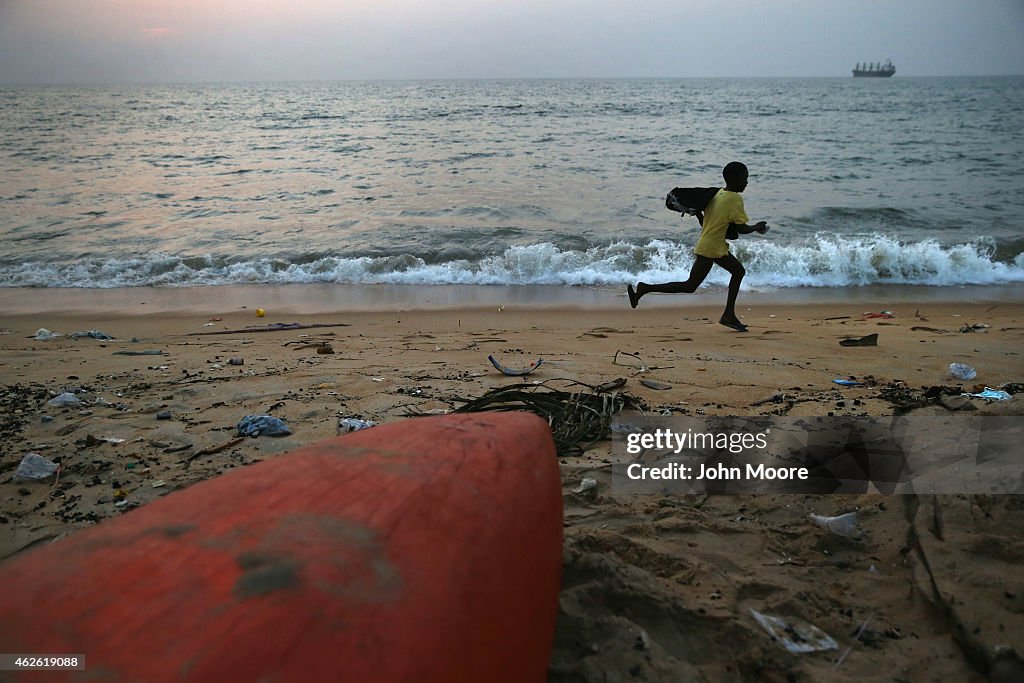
(65, 400)
(35, 466)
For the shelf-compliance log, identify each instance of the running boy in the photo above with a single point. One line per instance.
(724, 210)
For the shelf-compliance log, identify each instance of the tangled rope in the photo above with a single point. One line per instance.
(578, 419)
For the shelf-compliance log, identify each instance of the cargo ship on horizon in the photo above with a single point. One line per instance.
(874, 70)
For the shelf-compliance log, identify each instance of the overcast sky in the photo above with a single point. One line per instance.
(103, 41)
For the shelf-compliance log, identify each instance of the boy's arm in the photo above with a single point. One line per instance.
(744, 229)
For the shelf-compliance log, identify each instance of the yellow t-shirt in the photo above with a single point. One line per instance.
(724, 208)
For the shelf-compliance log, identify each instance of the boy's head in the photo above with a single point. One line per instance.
(735, 175)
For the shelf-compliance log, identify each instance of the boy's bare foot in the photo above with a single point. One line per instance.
(733, 323)
(633, 298)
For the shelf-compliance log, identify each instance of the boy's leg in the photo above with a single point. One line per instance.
(737, 271)
(700, 269)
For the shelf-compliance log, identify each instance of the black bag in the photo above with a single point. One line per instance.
(690, 200)
(693, 201)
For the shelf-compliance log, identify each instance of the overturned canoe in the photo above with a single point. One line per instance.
(424, 550)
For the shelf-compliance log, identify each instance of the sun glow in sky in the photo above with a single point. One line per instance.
(70, 41)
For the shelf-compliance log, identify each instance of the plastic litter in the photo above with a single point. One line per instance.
(265, 425)
(35, 466)
(843, 525)
(514, 372)
(962, 371)
(623, 428)
(585, 485)
(43, 334)
(991, 394)
(67, 399)
(352, 424)
(847, 383)
(92, 334)
(796, 635)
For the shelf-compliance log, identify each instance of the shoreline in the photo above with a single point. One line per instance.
(314, 299)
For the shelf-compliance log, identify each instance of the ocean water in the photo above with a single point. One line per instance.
(914, 181)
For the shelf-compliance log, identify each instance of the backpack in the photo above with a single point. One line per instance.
(693, 201)
(690, 200)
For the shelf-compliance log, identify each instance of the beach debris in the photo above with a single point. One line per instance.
(515, 372)
(585, 485)
(867, 340)
(643, 367)
(796, 635)
(624, 428)
(848, 383)
(212, 449)
(578, 419)
(65, 400)
(147, 352)
(655, 384)
(843, 525)
(272, 327)
(610, 386)
(163, 415)
(974, 328)
(43, 334)
(922, 328)
(904, 398)
(353, 424)
(962, 371)
(260, 313)
(856, 637)
(956, 402)
(91, 334)
(990, 394)
(321, 345)
(774, 398)
(34, 467)
(880, 314)
(236, 361)
(265, 425)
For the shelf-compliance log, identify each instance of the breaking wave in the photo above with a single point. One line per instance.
(822, 261)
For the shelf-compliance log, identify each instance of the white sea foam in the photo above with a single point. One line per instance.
(823, 261)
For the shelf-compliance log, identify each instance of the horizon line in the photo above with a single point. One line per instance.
(473, 78)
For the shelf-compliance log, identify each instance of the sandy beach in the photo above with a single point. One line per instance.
(655, 588)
